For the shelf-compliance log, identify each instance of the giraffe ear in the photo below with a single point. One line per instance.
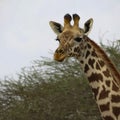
(88, 26)
(56, 27)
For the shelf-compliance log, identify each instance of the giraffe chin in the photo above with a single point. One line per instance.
(59, 58)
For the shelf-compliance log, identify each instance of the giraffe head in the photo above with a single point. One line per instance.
(70, 37)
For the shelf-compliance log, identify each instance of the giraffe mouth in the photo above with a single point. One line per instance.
(59, 58)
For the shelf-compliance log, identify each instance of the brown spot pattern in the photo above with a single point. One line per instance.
(81, 61)
(101, 63)
(108, 118)
(91, 62)
(116, 111)
(95, 77)
(95, 91)
(89, 46)
(77, 49)
(86, 68)
(94, 54)
(114, 87)
(107, 83)
(104, 58)
(85, 47)
(105, 107)
(87, 54)
(106, 73)
(104, 93)
(115, 99)
(97, 66)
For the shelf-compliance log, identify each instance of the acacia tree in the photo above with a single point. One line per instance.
(49, 90)
(113, 51)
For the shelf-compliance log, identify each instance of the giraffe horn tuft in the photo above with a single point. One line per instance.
(76, 19)
(67, 20)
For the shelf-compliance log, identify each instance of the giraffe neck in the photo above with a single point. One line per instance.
(103, 79)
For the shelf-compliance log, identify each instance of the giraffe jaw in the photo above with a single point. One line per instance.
(59, 58)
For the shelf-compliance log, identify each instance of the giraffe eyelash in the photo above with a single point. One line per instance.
(57, 39)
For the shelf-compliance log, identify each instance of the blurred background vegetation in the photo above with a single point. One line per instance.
(49, 90)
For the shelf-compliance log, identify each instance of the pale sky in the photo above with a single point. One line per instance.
(25, 34)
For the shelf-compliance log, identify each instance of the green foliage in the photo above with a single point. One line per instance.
(49, 90)
(113, 50)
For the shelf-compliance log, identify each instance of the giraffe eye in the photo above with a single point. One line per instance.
(78, 39)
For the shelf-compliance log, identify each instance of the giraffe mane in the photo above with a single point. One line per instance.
(107, 61)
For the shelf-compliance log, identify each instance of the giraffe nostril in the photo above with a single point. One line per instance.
(61, 51)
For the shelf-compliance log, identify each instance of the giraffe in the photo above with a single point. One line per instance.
(102, 75)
